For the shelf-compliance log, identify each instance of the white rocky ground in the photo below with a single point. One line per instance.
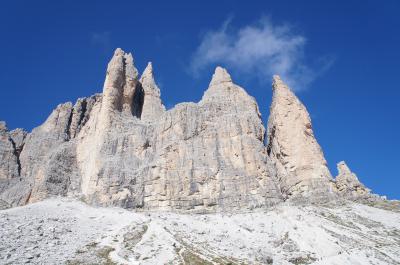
(66, 231)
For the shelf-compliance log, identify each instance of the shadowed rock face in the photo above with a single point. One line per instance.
(123, 148)
(9, 161)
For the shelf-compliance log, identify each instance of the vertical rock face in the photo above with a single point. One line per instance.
(153, 108)
(11, 186)
(81, 113)
(9, 168)
(211, 154)
(298, 159)
(46, 156)
(39, 147)
(105, 146)
(206, 156)
(348, 184)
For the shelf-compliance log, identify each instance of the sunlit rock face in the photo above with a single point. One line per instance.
(196, 156)
(153, 107)
(122, 147)
(299, 162)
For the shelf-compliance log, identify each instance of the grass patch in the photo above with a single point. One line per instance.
(190, 258)
(303, 260)
(104, 255)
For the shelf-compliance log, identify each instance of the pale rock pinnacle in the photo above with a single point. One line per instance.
(121, 92)
(300, 165)
(220, 76)
(222, 90)
(152, 105)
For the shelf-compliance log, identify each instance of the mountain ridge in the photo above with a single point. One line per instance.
(123, 148)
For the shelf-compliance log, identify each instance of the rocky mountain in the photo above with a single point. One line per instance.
(266, 194)
(123, 148)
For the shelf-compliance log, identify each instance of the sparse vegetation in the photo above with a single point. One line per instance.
(104, 254)
(91, 254)
(190, 258)
(303, 260)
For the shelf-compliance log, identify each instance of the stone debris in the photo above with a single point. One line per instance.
(66, 231)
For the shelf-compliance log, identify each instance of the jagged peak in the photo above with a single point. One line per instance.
(120, 83)
(148, 75)
(152, 106)
(276, 78)
(283, 96)
(278, 83)
(119, 52)
(148, 81)
(347, 182)
(345, 173)
(222, 89)
(220, 76)
(130, 70)
(296, 154)
(122, 63)
(343, 168)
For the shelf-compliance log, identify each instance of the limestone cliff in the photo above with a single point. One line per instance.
(122, 147)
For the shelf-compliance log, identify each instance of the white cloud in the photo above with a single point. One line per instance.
(262, 50)
(101, 38)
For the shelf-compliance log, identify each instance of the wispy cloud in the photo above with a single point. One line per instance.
(261, 50)
(102, 39)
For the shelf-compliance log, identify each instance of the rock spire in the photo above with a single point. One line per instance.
(153, 108)
(301, 168)
(121, 91)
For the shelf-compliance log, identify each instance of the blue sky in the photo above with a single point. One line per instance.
(341, 57)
